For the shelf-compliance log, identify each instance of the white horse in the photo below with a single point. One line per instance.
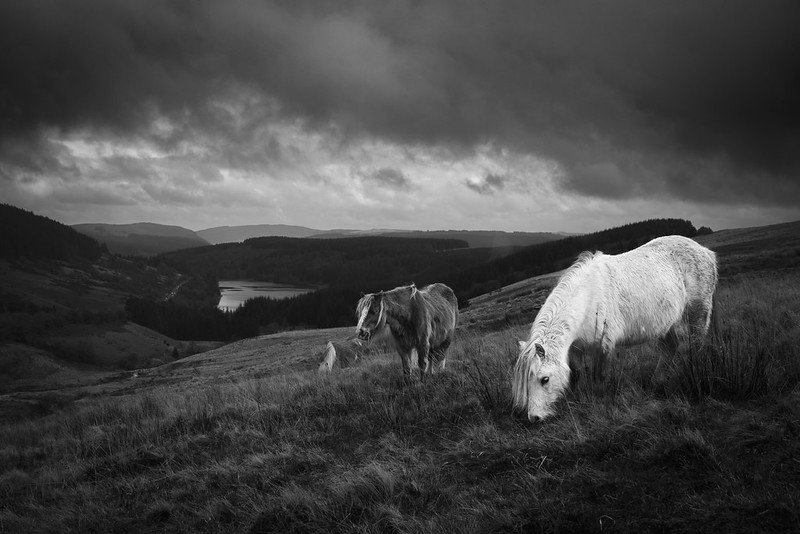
(661, 290)
(418, 319)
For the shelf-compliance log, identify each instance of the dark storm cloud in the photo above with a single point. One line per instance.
(696, 100)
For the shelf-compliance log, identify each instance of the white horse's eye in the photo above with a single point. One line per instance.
(545, 380)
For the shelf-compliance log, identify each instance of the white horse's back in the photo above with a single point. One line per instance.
(666, 282)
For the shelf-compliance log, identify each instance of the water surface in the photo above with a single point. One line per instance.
(235, 292)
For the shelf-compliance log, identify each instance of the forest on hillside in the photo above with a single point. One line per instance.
(355, 266)
(556, 255)
(344, 268)
(24, 234)
(367, 262)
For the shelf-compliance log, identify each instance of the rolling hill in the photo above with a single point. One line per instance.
(141, 239)
(776, 246)
(473, 238)
(237, 234)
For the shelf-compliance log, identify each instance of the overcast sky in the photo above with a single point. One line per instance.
(523, 115)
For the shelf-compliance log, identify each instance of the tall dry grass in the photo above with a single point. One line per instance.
(703, 441)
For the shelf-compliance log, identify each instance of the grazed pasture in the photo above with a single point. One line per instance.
(708, 441)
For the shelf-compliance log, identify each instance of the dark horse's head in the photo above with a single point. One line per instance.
(370, 315)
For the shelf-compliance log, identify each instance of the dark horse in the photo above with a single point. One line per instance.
(419, 319)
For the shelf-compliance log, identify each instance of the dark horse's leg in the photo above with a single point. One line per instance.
(439, 354)
(404, 352)
(405, 359)
(423, 350)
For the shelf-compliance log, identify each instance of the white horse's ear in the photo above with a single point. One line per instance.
(539, 350)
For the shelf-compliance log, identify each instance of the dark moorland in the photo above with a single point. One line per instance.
(248, 437)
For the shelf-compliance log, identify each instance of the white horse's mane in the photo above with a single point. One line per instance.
(552, 322)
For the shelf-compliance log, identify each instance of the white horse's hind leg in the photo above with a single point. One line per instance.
(670, 342)
(698, 319)
(601, 355)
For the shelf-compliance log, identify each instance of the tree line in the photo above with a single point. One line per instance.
(24, 234)
(556, 255)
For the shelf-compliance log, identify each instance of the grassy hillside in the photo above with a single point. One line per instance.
(249, 437)
(759, 248)
(62, 316)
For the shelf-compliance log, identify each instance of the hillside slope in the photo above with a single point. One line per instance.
(24, 234)
(249, 438)
(775, 246)
(141, 239)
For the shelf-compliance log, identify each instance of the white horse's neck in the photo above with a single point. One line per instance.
(558, 323)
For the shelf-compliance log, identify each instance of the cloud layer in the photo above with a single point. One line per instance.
(631, 100)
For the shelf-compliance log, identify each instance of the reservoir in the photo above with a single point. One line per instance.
(235, 292)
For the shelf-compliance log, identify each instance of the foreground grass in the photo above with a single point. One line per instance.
(707, 441)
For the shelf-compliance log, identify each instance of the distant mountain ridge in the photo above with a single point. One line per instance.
(474, 238)
(485, 238)
(237, 234)
(141, 239)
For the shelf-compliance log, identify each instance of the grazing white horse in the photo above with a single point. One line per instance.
(661, 290)
(418, 319)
